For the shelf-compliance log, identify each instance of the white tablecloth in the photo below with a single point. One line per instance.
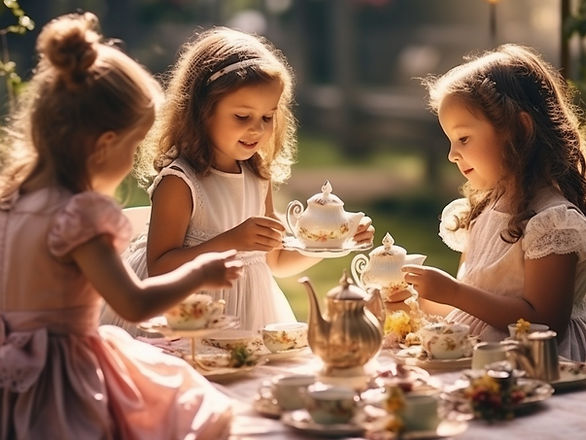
(562, 416)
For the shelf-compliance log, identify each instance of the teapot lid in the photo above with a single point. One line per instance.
(388, 249)
(325, 197)
(346, 289)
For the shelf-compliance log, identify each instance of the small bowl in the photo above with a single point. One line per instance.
(533, 327)
(194, 312)
(444, 340)
(283, 336)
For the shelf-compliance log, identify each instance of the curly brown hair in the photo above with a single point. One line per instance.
(501, 84)
(181, 126)
(82, 87)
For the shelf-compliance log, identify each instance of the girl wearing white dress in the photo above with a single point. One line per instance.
(225, 135)
(521, 226)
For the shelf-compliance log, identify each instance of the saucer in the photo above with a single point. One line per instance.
(287, 354)
(414, 355)
(302, 421)
(572, 375)
(159, 325)
(293, 243)
(266, 406)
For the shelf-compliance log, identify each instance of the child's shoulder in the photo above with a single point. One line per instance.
(454, 237)
(557, 227)
(84, 216)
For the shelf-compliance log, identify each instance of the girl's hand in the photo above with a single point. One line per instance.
(365, 232)
(431, 283)
(217, 269)
(256, 234)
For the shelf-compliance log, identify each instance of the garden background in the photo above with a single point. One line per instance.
(363, 121)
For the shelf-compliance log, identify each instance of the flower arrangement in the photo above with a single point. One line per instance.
(492, 399)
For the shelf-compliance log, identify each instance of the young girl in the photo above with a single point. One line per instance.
(86, 108)
(521, 228)
(225, 135)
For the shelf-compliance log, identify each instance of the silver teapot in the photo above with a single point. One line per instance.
(349, 334)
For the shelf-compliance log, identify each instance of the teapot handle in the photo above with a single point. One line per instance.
(294, 210)
(357, 267)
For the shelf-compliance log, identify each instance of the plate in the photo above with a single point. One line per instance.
(413, 355)
(572, 375)
(537, 391)
(446, 428)
(287, 354)
(301, 421)
(158, 325)
(292, 243)
(220, 374)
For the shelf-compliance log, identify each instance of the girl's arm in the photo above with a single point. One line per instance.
(547, 295)
(170, 217)
(136, 300)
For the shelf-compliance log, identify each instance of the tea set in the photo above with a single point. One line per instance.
(348, 333)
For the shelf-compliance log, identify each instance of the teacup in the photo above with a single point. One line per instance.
(533, 327)
(444, 340)
(194, 312)
(282, 336)
(485, 353)
(420, 412)
(230, 339)
(331, 404)
(288, 391)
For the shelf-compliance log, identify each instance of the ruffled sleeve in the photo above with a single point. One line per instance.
(85, 216)
(455, 239)
(555, 230)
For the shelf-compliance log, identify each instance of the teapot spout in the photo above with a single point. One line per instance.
(317, 326)
(415, 258)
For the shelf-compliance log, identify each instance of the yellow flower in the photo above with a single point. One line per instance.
(522, 326)
(398, 323)
(396, 400)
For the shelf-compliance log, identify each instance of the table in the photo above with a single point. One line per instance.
(562, 416)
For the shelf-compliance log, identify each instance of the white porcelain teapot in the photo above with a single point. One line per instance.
(382, 268)
(324, 224)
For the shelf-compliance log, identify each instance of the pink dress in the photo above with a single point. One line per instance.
(62, 376)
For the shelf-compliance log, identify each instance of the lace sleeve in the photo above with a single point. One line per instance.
(455, 239)
(555, 230)
(85, 216)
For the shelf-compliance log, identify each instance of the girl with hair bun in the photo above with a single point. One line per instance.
(71, 143)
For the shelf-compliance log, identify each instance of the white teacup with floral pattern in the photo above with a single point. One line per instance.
(283, 336)
(445, 340)
(331, 404)
(194, 312)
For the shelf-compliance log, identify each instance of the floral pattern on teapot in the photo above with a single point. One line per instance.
(324, 223)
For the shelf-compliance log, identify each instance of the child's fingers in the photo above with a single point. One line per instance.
(269, 222)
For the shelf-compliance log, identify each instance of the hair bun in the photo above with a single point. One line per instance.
(69, 44)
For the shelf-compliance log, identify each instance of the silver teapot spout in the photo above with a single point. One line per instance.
(318, 329)
(537, 355)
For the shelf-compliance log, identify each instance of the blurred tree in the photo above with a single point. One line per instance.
(575, 25)
(8, 67)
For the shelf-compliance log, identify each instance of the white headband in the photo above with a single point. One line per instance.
(231, 67)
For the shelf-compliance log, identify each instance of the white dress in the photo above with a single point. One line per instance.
(222, 201)
(491, 264)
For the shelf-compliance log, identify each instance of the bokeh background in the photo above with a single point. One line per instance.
(363, 119)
